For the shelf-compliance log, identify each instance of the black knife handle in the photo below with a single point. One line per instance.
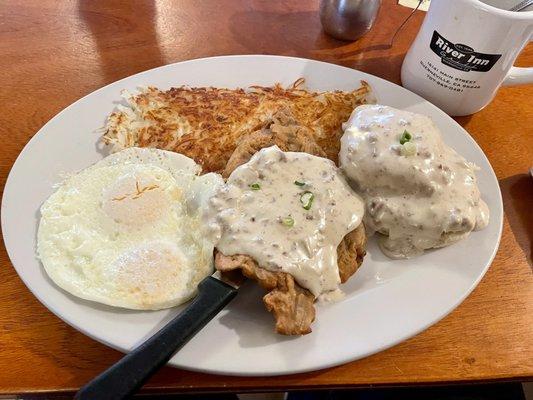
(128, 374)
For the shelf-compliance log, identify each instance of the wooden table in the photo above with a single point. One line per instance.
(54, 52)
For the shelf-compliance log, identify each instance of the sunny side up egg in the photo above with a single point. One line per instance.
(128, 230)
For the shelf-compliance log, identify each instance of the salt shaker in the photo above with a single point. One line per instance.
(348, 19)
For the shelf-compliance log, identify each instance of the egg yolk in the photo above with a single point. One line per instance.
(151, 271)
(136, 199)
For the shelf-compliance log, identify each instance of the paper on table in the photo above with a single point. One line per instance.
(413, 3)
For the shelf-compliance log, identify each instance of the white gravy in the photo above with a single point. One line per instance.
(288, 211)
(420, 194)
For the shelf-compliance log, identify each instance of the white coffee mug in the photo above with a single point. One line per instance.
(464, 52)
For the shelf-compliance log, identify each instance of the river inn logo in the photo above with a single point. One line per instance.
(460, 56)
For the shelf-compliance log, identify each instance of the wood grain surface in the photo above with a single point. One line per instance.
(54, 52)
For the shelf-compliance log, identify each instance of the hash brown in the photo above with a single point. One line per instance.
(206, 123)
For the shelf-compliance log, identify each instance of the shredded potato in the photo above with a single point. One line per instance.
(206, 123)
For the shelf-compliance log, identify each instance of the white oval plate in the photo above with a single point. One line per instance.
(387, 301)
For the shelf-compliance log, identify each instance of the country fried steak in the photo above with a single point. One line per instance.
(291, 305)
(282, 130)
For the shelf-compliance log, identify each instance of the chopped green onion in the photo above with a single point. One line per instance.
(255, 186)
(307, 199)
(299, 183)
(408, 149)
(406, 136)
(288, 221)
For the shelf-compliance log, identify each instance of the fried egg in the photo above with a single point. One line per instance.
(128, 230)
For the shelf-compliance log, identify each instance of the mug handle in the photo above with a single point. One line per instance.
(519, 76)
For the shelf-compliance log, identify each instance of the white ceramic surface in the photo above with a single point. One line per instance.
(387, 301)
(463, 53)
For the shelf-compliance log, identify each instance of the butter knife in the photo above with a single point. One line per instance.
(127, 375)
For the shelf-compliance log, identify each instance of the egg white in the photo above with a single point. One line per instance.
(128, 230)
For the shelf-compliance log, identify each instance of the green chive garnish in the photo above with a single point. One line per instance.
(255, 186)
(288, 221)
(307, 199)
(406, 136)
(299, 183)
